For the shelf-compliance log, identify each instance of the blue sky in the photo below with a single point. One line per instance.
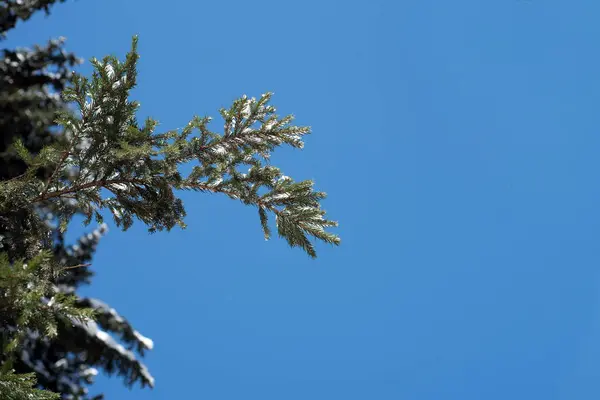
(458, 142)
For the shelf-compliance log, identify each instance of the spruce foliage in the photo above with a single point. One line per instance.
(106, 148)
(20, 387)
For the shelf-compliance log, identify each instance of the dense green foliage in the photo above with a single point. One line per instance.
(20, 387)
(106, 148)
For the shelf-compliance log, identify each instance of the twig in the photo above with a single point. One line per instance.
(63, 157)
(74, 189)
(75, 266)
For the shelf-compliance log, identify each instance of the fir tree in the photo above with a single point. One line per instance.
(30, 84)
(103, 159)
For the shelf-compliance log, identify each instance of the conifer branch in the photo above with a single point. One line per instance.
(141, 168)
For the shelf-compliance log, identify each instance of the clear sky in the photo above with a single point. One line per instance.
(458, 142)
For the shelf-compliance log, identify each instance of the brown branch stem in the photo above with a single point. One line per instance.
(59, 165)
(75, 266)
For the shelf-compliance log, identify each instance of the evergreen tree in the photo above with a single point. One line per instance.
(30, 83)
(101, 158)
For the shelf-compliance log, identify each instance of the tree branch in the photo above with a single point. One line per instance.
(75, 266)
